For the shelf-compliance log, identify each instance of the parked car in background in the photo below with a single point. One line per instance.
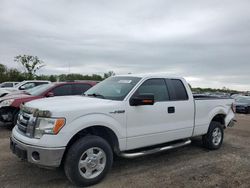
(242, 104)
(8, 84)
(10, 104)
(235, 96)
(22, 86)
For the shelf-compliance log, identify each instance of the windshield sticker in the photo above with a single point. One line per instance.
(125, 81)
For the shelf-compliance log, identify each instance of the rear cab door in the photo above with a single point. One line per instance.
(170, 118)
(181, 99)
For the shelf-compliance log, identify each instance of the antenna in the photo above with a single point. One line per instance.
(69, 67)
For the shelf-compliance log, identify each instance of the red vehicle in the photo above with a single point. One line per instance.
(10, 104)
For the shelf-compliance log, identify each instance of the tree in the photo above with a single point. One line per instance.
(3, 70)
(108, 74)
(31, 64)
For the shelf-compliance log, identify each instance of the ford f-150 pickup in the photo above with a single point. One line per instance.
(128, 116)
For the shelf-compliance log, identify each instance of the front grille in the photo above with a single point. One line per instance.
(26, 123)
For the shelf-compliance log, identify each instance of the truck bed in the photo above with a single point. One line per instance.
(209, 97)
(205, 110)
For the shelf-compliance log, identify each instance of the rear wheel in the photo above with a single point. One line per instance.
(88, 161)
(214, 137)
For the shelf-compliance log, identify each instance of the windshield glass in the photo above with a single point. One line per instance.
(38, 90)
(19, 84)
(113, 88)
(243, 100)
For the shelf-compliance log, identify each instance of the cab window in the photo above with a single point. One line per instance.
(62, 90)
(177, 90)
(157, 87)
(79, 89)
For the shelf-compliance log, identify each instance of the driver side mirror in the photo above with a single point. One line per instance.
(22, 88)
(144, 99)
(50, 94)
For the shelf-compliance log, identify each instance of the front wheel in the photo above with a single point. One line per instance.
(214, 137)
(88, 161)
(14, 119)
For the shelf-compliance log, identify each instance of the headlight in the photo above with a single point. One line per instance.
(7, 102)
(48, 126)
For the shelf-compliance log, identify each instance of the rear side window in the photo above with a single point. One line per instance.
(79, 89)
(7, 85)
(157, 87)
(40, 83)
(177, 90)
(62, 90)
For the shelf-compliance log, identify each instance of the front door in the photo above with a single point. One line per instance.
(164, 121)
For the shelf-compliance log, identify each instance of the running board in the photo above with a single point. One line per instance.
(155, 150)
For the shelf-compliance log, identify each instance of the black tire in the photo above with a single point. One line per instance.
(14, 120)
(208, 138)
(74, 154)
(247, 110)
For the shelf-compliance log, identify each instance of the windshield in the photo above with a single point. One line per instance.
(113, 88)
(243, 100)
(20, 84)
(38, 90)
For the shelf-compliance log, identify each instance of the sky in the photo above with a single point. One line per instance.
(207, 42)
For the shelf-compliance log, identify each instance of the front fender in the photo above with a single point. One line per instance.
(95, 119)
(72, 128)
(90, 120)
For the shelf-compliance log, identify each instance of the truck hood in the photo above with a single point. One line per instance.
(73, 106)
(3, 90)
(7, 90)
(17, 96)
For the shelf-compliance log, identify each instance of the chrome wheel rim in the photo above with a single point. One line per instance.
(216, 136)
(92, 163)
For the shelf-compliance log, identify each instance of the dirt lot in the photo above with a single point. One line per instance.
(191, 166)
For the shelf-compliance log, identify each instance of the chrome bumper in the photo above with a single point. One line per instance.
(42, 156)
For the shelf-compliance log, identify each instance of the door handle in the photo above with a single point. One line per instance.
(171, 109)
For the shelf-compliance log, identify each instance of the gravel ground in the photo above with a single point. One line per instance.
(191, 166)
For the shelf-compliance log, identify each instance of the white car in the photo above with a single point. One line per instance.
(28, 84)
(8, 84)
(128, 116)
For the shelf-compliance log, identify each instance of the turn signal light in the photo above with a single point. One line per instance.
(58, 125)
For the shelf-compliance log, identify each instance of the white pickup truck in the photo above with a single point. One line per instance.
(128, 116)
(24, 85)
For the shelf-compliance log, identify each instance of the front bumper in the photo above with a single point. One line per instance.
(232, 123)
(42, 156)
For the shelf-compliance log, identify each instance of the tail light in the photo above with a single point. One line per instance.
(233, 107)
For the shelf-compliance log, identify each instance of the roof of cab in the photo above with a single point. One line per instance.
(152, 75)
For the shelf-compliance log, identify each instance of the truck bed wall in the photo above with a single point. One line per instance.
(206, 109)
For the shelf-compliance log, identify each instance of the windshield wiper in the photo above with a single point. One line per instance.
(26, 92)
(95, 95)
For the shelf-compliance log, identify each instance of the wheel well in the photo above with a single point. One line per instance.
(104, 132)
(220, 118)
(10, 111)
